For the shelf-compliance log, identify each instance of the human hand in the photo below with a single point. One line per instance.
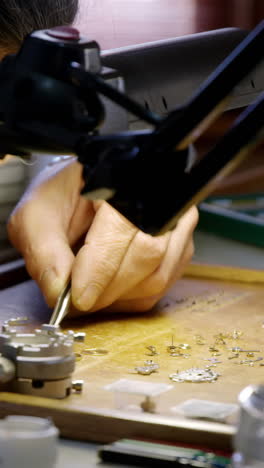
(118, 268)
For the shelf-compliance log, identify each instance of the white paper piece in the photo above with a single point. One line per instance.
(137, 387)
(205, 409)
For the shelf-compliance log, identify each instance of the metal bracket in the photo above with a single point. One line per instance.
(39, 363)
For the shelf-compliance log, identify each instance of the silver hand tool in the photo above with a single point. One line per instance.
(62, 305)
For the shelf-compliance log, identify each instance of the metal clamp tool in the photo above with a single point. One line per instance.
(40, 363)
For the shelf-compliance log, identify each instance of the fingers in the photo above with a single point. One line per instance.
(142, 258)
(141, 303)
(152, 289)
(44, 247)
(50, 216)
(99, 259)
(120, 263)
(178, 253)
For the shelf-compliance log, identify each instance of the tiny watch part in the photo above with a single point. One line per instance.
(152, 351)
(95, 351)
(148, 368)
(184, 346)
(194, 375)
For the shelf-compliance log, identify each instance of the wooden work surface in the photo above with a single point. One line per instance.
(192, 307)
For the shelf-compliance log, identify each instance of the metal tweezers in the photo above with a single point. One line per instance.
(62, 305)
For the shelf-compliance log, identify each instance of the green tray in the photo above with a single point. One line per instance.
(235, 217)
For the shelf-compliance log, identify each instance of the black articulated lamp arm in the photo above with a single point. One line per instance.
(52, 96)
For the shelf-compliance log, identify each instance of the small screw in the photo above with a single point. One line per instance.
(77, 386)
(16, 321)
(79, 337)
(49, 329)
(153, 351)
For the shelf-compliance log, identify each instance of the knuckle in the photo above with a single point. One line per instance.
(104, 266)
(117, 220)
(195, 214)
(151, 249)
(157, 250)
(159, 281)
(96, 286)
(189, 219)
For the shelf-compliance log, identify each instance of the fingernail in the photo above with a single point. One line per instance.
(87, 298)
(51, 284)
(50, 278)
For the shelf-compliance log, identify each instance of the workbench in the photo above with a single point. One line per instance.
(194, 306)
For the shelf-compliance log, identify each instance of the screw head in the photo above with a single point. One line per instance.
(79, 337)
(77, 386)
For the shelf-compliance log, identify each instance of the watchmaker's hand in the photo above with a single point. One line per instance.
(118, 267)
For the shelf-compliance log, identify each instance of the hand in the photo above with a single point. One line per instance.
(118, 268)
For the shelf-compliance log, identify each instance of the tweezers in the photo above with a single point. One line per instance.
(62, 305)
